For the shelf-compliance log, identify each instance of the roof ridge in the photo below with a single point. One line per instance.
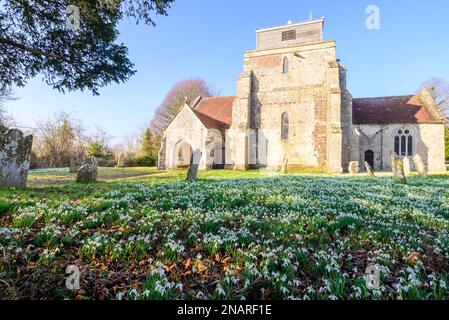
(216, 97)
(383, 97)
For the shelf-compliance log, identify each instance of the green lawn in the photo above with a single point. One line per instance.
(145, 234)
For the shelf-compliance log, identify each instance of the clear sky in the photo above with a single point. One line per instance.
(207, 38)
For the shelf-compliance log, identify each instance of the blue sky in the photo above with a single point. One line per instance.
(207, 38)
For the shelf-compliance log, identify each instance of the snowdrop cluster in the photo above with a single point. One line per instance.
(283, 237)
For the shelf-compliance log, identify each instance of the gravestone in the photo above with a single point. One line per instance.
(73, 168)
(15, 157)
(94, 161)
(285, 166)
(369, 169)
(420, 166)
(406, 165)
(194, 165)
(354, 167)
(75, 163)
(398, 169)
(87, 173)
(121, 160)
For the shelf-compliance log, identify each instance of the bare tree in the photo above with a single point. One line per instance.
(129, 145)
(439, 88)
(99, 136)
(58, 139)
(186, 90)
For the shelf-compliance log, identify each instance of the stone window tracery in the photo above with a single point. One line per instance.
(403, 143)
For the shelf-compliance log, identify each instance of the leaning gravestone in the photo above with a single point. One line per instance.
(87, 173)
(121, 160)
(406, 165)
(353, 167)
(285, 166)
(420, 166)
(15, 157)
(194, 165)
(369, 169)
(398, 169)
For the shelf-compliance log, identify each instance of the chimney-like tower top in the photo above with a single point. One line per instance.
(290, 34)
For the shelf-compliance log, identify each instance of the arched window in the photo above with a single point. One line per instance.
(403, 146)
(397, 148)
(403, 143)
(284, 126)
(410, 146)
(285, 66)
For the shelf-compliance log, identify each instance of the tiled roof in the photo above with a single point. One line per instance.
(388, 110)
(215, 112)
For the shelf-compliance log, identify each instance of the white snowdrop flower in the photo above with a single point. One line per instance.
(119, 296)
(134, 294)
(179, 286)
(220, 290)
(310, 289)
(284, 290)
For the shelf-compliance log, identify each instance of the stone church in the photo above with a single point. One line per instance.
(292, 107)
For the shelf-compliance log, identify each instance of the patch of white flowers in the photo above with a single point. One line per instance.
(286, 237)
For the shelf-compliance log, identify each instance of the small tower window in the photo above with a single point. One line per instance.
(285, 127)
(285, 66)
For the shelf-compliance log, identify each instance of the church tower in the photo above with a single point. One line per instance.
(292, 104)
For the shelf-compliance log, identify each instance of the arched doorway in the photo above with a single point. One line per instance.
(369, 157)
(183, 155)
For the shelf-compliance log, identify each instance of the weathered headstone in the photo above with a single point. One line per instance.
(94, 161)
(87, 173)
(15, 157)
(194, 165)
(73, 168)
(285, 166)
(406, 165)
(354, 167)
(121, 160)
(398, 169)
(369, 169)
(75, 163)
(420, 166)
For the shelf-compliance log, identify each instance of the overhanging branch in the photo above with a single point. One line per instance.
(34, 51)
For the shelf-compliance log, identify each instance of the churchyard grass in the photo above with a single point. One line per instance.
(144, 234)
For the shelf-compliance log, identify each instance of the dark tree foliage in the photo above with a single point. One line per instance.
(34, 40)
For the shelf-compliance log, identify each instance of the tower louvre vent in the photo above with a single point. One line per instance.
(289, 35)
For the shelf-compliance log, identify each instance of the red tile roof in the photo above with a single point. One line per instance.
(388, 110)
(215, 112)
